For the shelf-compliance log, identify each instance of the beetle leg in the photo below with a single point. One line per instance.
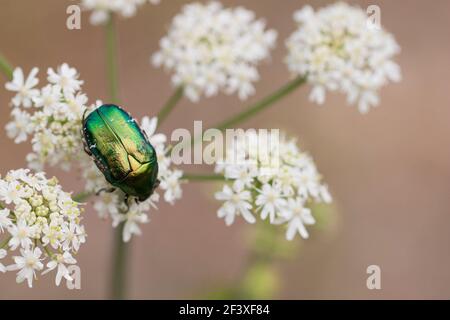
(156, 185)
(84, 114)
(145, 134)
(86, 149)
(109, 190)
(126, 203)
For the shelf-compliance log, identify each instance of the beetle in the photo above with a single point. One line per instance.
(121, 151)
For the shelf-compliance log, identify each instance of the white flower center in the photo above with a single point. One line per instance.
(30, 262)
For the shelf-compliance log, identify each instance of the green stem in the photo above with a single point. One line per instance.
(111, 59)
(118, 272)
(118, 288)
(4, 243)
(203, 177)
(47, 251)
(262, 104)
(170, 105)
(6, 68)
(81, 196)
(256, 107)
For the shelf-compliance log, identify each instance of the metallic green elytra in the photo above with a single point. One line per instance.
(121, 151)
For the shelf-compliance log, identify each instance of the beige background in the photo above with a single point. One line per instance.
(389, 171)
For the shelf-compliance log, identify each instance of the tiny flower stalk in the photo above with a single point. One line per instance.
(4, 243)
(203, 177)
(170, 104)
(257, 107)
(82, 196)
(5, 67)
(262, 104)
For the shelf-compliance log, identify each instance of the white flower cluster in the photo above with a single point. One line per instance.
(211, 49)
(276, 180)
(41, 221)
(337, 49)
(51, 116)
(101, 9)
(111, 204)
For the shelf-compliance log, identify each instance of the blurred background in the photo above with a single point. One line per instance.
(388, 171)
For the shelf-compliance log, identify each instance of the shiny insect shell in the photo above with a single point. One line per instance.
(121, 151)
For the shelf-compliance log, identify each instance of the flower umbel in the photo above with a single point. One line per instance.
(210, 49)
(337, 51)
(52, 118)
(38, 216)
(276, 181)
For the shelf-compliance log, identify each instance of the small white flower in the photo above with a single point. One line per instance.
(65, 77)
(171, 185)
(107, 204)
(49, 96)
(3, 254)
(5, 221)
(298, 216)
(133, 218)
(12, 192)
(60, 261)
(27, 264)
(270, 201)
(19, 128)
(24, 88)
(336, 51)
(242, 174)
(237, 202)
(74, 105)
(74, 235)
(211, 49)
(21, 235)
(149, 126)
(51, 235)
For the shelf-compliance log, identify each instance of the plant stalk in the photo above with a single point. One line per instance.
(256, 107)
(120, 256)
(119, 259)
(262, 104)
(111, 59)
(203, 177)
(170, 105)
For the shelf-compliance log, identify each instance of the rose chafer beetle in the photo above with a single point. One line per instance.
(121, 150)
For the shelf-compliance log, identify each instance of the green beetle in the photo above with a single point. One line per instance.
(121, 151)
